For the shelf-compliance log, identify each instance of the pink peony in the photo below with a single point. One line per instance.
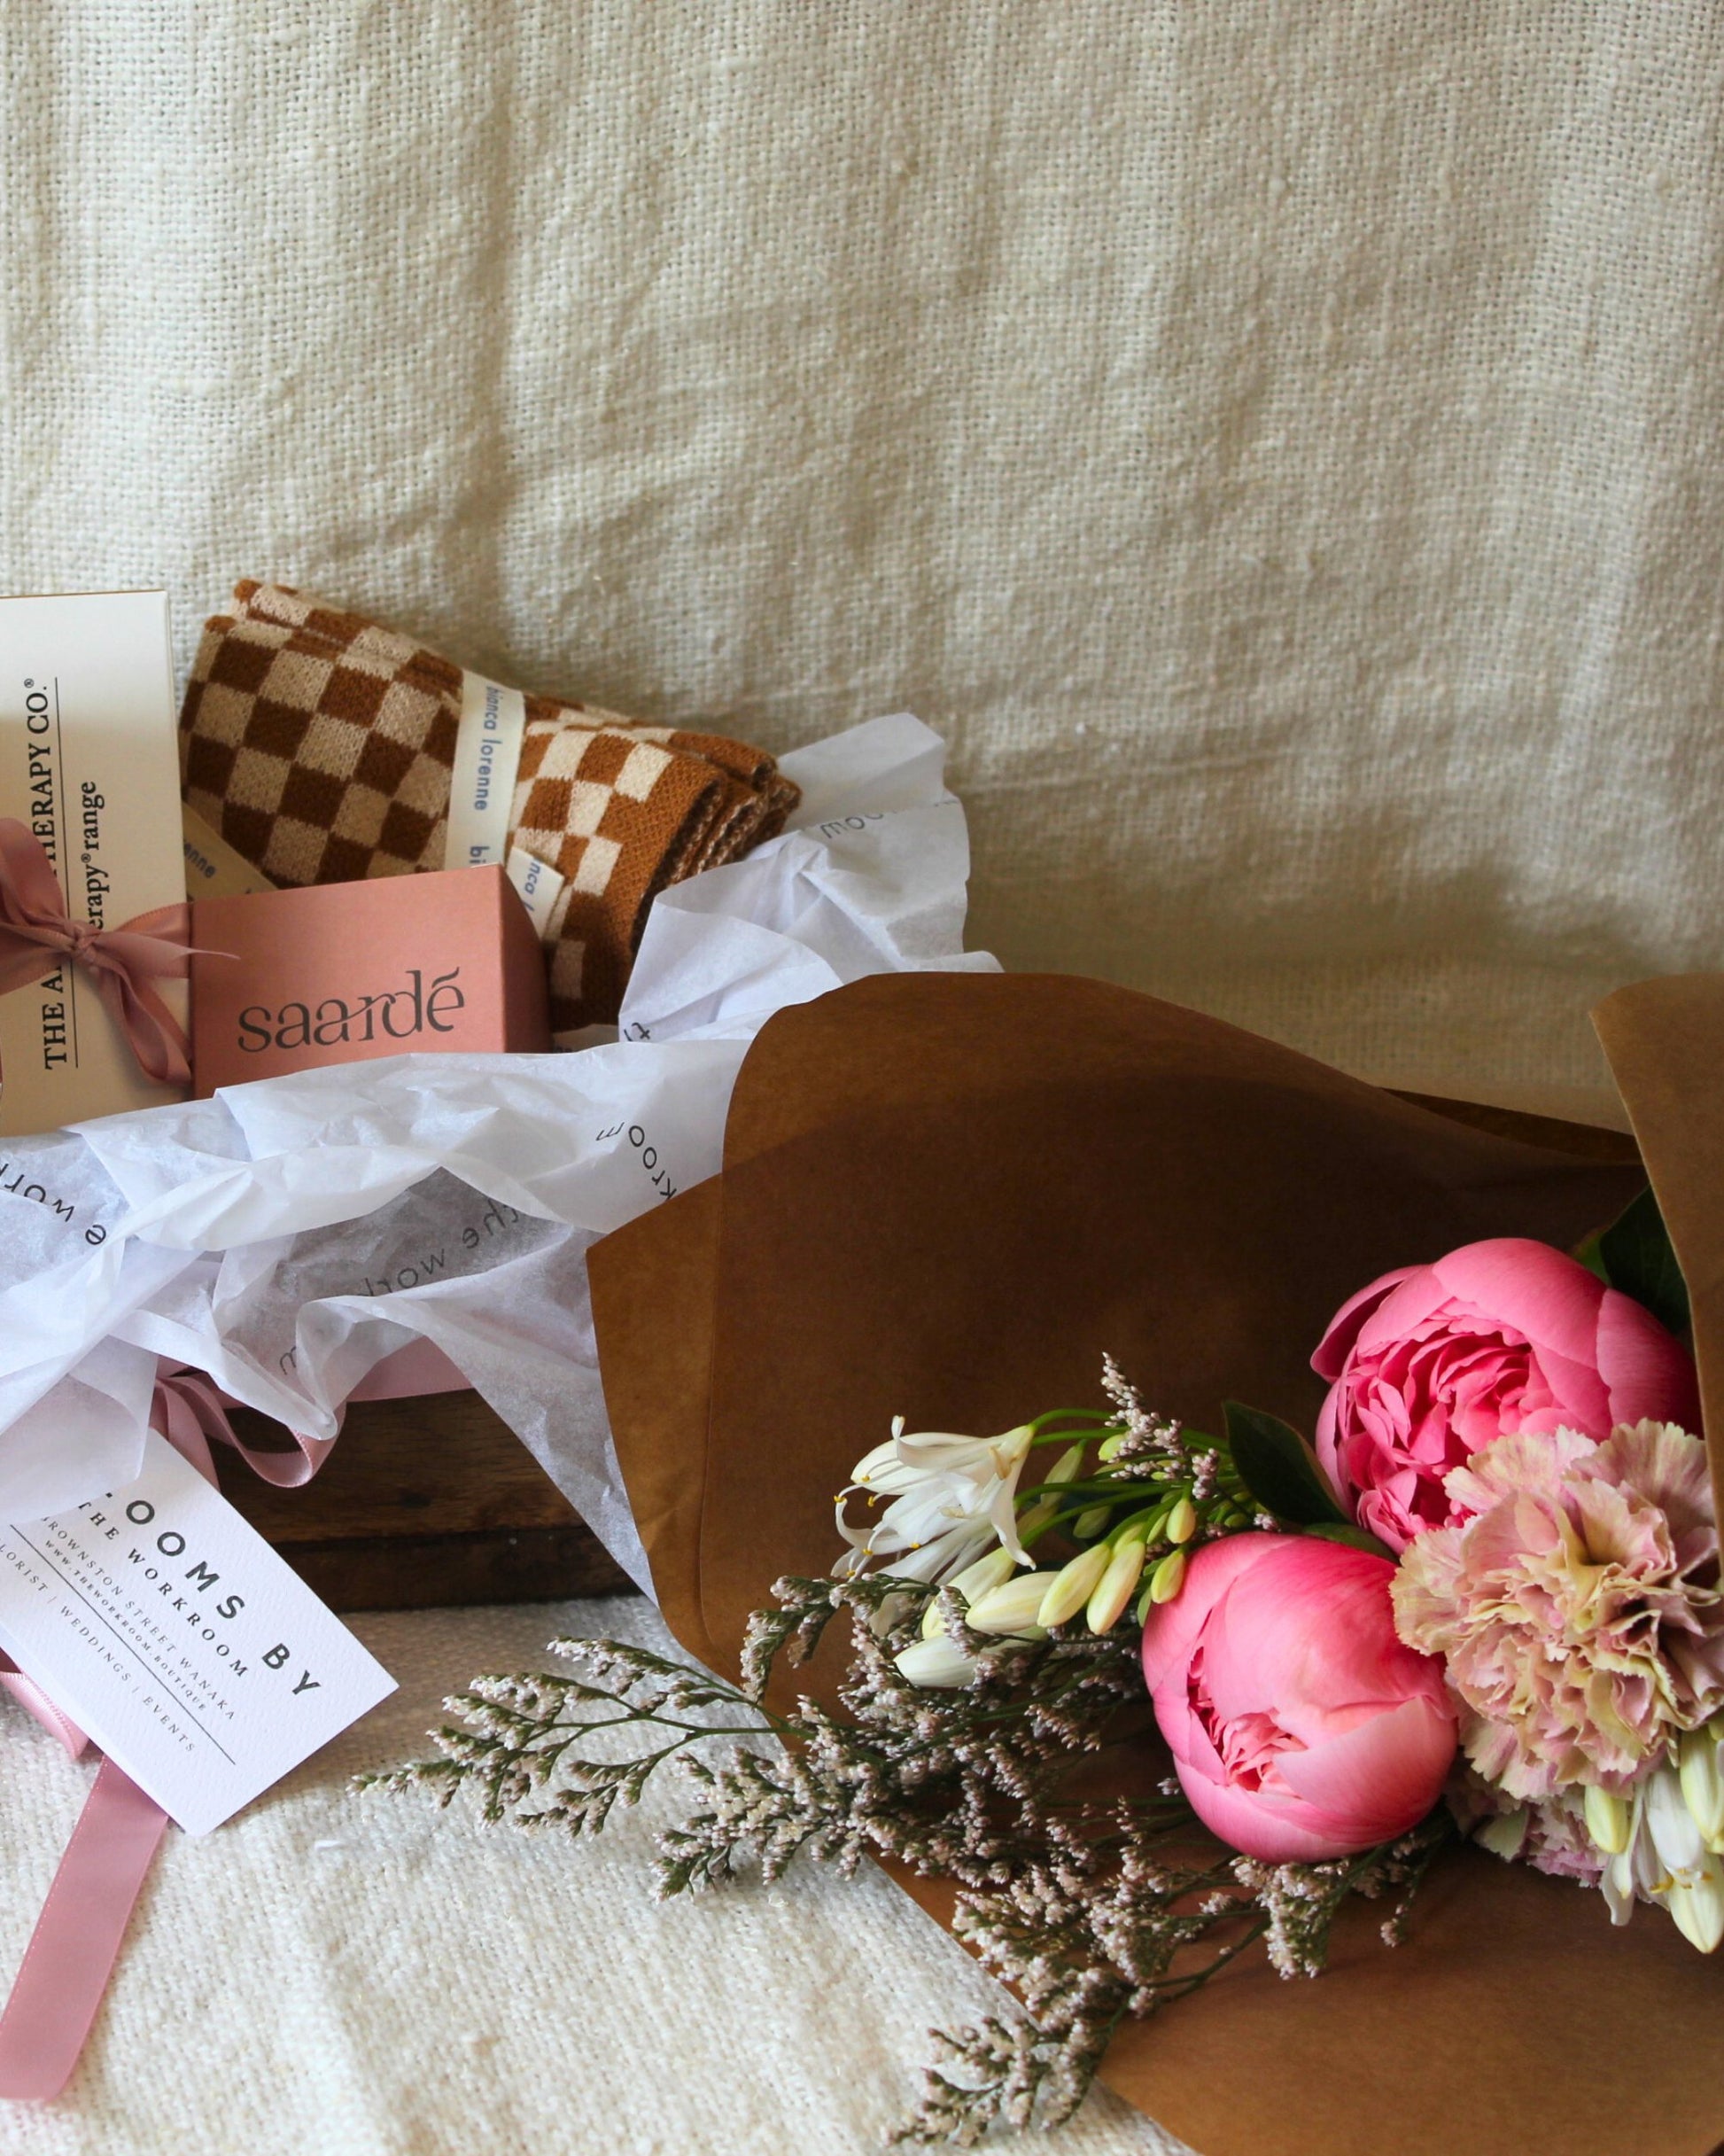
(1431, 1363)
(1577, 1608)
(1301, 1727)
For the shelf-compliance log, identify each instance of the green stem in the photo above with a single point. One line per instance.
(1181, 1987)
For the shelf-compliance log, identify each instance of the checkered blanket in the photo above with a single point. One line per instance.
(322, 746)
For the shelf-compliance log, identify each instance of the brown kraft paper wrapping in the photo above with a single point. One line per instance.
(945, 1196)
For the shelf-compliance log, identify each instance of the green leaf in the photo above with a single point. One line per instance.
(1592, 1258)
(1280, 1469)
(1355, 1537)
(1638, 1259)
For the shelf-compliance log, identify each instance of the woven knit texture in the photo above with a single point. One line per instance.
(322, 746)
(339, 1976)
(1280, 442)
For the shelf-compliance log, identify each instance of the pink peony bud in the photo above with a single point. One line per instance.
(1432, 1363)
(1301, 1727)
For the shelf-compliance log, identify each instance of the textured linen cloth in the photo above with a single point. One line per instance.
(1281, 442)
(369, 1976)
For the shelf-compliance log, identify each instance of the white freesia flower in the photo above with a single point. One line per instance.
(1014, 1606)
(1667, 1859)
(1701, 1765)
(938, 1662)
(1072, 1586)
(953, 1497)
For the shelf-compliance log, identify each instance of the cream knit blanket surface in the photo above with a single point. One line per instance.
(334, 1975)
(1277, 441)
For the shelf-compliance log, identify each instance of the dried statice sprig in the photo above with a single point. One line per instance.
(1089, 1947)
(1300, 1902)
(1177, 1486)
(517, 1742)
(954, 1783)
(1092, 1914)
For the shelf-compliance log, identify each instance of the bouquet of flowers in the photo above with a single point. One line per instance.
(1129, 1702)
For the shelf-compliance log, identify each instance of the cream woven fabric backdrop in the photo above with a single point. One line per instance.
(1278, 443)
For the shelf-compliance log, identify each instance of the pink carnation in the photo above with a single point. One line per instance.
(1551, 1836)
(1578, 1611)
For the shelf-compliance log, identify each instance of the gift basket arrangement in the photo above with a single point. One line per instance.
(354, 1166)
(1201, 1523)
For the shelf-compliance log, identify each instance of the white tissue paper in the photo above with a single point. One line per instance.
(287, 1235)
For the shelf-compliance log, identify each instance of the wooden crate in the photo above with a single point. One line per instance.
(423, 1504)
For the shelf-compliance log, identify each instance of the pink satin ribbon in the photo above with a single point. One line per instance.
(77, 1937)
(38, 936)
(190, 1411)
(76, 1940)
(73, 1949)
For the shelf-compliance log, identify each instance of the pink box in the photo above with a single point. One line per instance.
(340, 972)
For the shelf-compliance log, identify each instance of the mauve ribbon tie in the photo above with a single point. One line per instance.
(77, 1937)
(190, 1411)
(38, 936)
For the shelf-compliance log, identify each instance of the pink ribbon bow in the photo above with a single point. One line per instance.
(38, 936)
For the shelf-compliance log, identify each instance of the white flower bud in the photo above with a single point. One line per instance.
(1182, 1523)
(1038, 1517)
(1702, 1785)
(1091, 1522)
(1697, 1905)
(1014, 1607)
(1608, 1820)
(936, 1662)
(1119, 1583)
(1168, 1577)
(1073, 1585)
(990, 1571)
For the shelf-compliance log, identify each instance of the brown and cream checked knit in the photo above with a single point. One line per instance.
(322, 746)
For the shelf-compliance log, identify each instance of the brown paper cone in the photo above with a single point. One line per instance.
(1665, 1042)
(946, 1196)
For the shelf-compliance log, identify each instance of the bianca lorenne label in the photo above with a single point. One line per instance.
(482, 785)
(171, 1632)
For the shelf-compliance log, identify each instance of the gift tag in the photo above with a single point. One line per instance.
(88, 763)
(170, 1631)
